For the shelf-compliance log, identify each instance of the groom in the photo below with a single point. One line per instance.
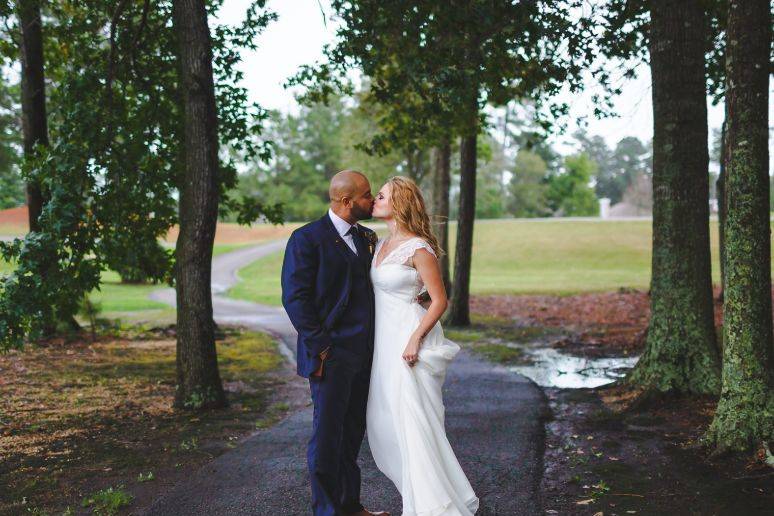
(327, 293)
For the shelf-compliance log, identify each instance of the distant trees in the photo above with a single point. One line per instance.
(311, 145)
(568, 193)
(434, 65)
(527, 186)
(617, 168)
(11, 184)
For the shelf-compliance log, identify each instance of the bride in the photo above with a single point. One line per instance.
(405, 414)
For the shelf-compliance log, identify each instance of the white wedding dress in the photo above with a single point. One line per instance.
(405, 414)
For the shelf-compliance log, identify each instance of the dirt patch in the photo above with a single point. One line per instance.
(83, 421)
(603, 462)
(231, 233)
(597, 324)
(14, 221)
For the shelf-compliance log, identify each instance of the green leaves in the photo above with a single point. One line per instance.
(113, 169)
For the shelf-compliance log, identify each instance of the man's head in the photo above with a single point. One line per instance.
(350, 194)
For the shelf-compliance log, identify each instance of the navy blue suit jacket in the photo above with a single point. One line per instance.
(318, 278)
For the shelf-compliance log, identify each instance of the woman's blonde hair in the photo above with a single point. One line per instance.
(409, 211)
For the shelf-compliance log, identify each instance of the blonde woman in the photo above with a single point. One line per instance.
(405, 411)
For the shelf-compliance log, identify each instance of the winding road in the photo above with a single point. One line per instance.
(494, 420)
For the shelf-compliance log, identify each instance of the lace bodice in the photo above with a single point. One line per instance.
(395, 274)
(401, 254)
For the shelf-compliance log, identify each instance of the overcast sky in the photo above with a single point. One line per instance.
(299, 34)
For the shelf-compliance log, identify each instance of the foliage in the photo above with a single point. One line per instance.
(624, 36)
(115, 162)
(490, 188)
(527, 186)
(568, 192)
(308, 149)
(431, 67)
(11, 184)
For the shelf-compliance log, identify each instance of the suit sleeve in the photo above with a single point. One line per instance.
(299, 274)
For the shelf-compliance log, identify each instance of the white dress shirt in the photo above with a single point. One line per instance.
(342, 226)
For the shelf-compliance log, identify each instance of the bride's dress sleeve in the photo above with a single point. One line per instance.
(406, 253)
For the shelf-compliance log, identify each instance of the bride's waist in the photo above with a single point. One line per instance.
(395, 298)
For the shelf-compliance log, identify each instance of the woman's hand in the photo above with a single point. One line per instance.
(411, 353)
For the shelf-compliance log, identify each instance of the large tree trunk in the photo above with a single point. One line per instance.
(459, 310)
(441, 187)
(198, 378)
(745, 414)
(33, 97)
(681, 353)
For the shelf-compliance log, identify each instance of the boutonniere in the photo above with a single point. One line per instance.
(372, 239)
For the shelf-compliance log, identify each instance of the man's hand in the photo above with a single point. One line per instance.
(318, 372)
(424, 300)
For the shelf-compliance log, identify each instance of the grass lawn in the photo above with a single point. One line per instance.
(527, 257)
(114, 296)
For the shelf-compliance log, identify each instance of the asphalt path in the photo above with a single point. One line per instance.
(494, 421)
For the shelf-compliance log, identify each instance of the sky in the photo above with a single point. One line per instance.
(298, 36)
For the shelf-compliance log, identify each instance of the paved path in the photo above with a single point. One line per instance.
(494, 420)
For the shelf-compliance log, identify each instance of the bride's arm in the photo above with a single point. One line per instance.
(430, 271)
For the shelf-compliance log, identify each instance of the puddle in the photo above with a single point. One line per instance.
(550, 368)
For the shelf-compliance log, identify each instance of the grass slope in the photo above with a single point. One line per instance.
(527, 257)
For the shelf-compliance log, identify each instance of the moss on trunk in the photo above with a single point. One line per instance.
(745, 412)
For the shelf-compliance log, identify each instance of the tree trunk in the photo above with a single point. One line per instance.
(33, 97)
(459, 311)
(681, 353)
(441, 187)
(198, 379)
(745, 414)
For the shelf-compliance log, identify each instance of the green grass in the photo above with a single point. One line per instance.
(260, 281)
(509, 257)
(527, 257)
(115, 296)
(108, 501)
(561, 257)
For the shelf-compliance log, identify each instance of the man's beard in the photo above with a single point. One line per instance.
(361, 214)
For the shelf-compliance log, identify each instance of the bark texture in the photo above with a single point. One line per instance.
(459, 310)
(441, 187)
(745, 414)
(198, 379)
(681, 353)
(33, 97)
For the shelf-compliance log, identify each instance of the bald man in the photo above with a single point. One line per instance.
(327, 293)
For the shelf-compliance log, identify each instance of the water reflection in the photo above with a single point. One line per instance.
(550, 368)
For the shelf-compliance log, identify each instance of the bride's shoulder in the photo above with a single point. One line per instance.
(417, 243)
